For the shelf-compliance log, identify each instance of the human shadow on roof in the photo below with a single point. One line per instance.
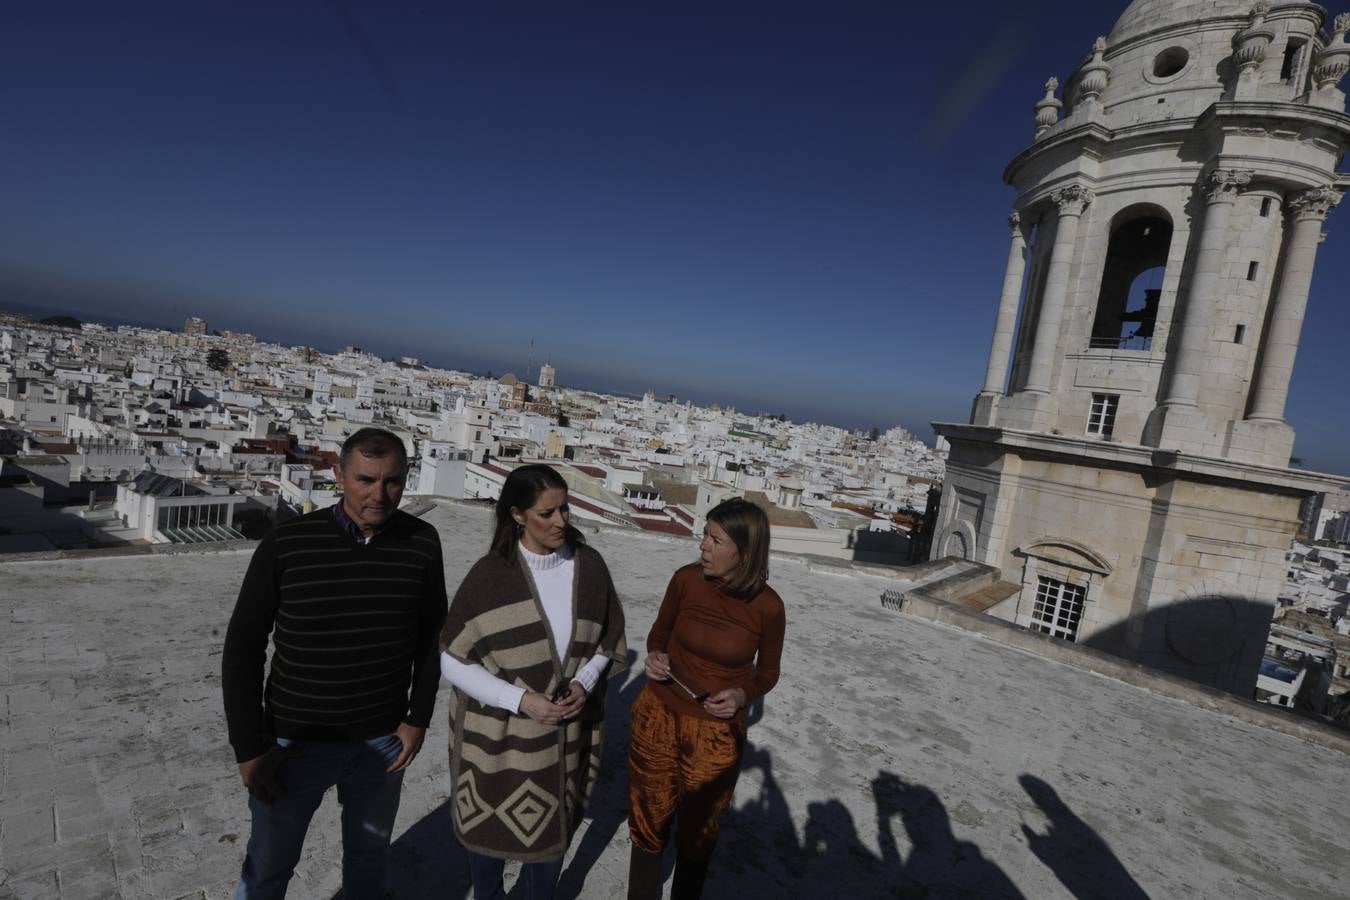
(427, 859)
(1082, 861)
(762, 856)
(608, 810)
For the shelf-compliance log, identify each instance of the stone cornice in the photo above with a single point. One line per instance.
(1093, 138)
(1112, 455)
(1089, 559)
(1090, 133)
(1228, 114)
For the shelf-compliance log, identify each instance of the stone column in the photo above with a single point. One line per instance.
(1006, 323)
(1072, 201)
(1196, 329)
(1307, 212)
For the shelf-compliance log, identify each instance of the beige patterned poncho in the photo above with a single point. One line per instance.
(519, 788)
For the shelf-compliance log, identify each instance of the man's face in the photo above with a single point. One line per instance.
(371, 488)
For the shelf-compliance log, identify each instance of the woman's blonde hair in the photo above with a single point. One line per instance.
(748, 528)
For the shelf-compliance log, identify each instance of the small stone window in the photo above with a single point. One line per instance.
(1266, 204)
(1252, 268)
(1170, 62)
(1058, 608)
(1239, 332)
(1102, 415)
(1289, 69)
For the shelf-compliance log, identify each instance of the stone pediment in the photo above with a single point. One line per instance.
(1067, 552)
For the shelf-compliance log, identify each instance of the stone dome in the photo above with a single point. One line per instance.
(1144, 16)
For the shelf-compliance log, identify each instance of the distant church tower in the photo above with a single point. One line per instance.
(1127, 460)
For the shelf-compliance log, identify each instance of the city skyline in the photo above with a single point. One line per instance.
(795, 210)
(528, 372)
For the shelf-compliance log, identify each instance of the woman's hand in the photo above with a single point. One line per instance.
(658, 666)
(724, 704)
(570, 705)
(540, 708)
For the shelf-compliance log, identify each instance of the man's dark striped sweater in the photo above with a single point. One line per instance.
(354, 630)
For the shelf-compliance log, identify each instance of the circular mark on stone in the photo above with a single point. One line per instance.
(1204, 630)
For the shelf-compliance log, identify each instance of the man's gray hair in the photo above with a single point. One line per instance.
(374, 443)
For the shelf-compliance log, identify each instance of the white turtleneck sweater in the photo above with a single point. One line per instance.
(552, 575)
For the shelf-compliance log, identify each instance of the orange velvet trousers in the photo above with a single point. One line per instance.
(682, 768)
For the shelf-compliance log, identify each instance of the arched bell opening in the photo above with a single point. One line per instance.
(1132, 280)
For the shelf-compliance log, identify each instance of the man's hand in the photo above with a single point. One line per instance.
(411, 737)
(658, 666)
(248, 770)
(724, 704)
(262, 774)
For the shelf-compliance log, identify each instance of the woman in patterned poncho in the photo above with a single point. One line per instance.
(531, 633)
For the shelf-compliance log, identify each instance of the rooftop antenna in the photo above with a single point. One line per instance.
(529, 362)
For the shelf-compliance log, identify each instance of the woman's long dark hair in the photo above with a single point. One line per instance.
(522, 488)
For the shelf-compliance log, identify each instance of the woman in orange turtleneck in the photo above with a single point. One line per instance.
(714, 648)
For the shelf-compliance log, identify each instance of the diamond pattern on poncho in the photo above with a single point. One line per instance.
(469, 803)
(528, 811)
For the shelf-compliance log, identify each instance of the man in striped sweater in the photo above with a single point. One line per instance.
(353, 597)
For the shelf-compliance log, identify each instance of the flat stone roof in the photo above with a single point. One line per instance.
(40, 459)
(896, 756)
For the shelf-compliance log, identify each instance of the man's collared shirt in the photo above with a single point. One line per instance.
(351, 527)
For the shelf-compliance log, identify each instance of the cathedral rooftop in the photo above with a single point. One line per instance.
(1144, 16)
(897, 754)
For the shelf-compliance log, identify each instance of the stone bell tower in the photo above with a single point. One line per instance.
(1126, 462)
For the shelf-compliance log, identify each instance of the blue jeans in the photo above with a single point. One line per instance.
(540, 879)
(369, 798)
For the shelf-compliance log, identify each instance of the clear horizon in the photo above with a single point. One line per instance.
(394, 354)
(795, 208)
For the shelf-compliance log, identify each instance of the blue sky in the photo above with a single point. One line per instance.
(794, 208)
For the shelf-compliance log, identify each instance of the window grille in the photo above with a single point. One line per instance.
(1058, 608)
(1102, 416)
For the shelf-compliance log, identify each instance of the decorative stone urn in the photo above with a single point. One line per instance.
(1096, 75)
(1334, 60)
(1047, 111)
(1250, 44)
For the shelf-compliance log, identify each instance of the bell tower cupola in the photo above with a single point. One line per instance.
(1169, 214)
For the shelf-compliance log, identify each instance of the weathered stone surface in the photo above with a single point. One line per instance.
(895, 755)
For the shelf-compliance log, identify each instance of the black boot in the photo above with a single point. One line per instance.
(688, 881)
(644, 875)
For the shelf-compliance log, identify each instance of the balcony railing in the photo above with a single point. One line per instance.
(1120, 343)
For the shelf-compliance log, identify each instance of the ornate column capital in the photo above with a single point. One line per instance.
(1314, 204)
(1072, 200)
(1224, 185)
(1015, 223)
